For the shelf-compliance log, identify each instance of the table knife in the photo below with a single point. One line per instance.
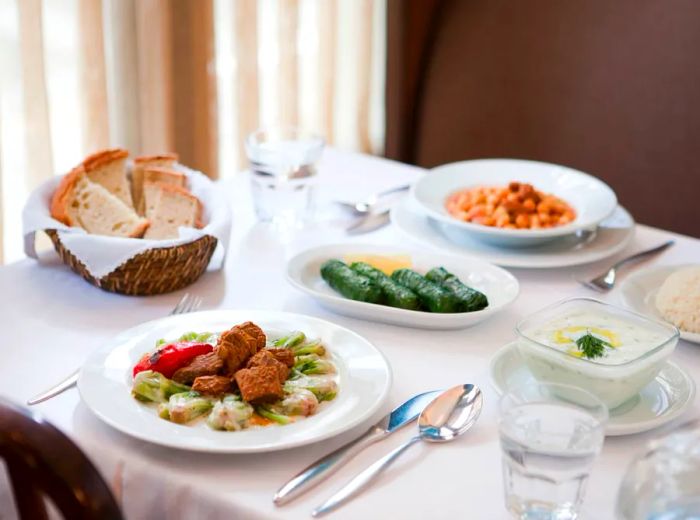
(326, 466)
(368, 223)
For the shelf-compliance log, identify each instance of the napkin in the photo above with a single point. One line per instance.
(101, 254)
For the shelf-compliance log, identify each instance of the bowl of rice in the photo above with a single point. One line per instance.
(669, 292)
(678, 299)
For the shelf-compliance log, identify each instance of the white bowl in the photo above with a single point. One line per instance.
(592, 199)
(639, 289)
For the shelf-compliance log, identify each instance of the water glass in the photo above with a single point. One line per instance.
(283, 173)
(663, 483)
(550, 436)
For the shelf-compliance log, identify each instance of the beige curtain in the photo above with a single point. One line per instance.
(162, 82)
(36, 114)
(191, 76)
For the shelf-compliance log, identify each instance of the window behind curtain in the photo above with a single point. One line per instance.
(78, 75)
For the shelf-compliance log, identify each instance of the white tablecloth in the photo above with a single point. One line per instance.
(51, 320)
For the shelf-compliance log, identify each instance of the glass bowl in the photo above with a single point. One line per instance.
(636, 349)
(662, 482)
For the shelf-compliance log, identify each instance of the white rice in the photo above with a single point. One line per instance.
(678, 299)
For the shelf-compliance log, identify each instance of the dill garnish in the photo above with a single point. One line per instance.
(591, 346)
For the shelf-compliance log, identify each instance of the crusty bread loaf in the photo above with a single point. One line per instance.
(166, 160)
(153, 174)
(80, 202)
(108, 169)
(168, 207)
(96, 196)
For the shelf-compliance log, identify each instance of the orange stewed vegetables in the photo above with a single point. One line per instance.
(516, 206)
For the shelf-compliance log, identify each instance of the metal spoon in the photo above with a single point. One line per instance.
(365, 206)
(447, 416)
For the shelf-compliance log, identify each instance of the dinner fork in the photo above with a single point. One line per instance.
(606, 281)
(187, 303)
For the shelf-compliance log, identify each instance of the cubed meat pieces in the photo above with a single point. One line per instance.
(260, 384)
(212, 385)
(265, 358)
(235, 348)
(239, 344)
(283, 355)
(255, 332)
(205, 365)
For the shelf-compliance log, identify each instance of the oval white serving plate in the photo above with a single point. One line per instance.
(500, 287)
(592, 199)
(364, 380)
(638, 292)
(669, 395)
(611, 237)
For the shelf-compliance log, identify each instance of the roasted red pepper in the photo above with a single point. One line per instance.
(167, 359)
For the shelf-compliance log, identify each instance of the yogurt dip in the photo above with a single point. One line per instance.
(625, 340)
(606, 350)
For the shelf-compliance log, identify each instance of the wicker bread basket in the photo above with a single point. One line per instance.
(155, 271)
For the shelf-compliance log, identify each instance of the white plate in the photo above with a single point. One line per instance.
(499, 286)
(661, 401)
(364, 382)
(592, 199)
(638, 292)
(612, 236)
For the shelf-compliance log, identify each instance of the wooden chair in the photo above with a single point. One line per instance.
(610, 88)
(41, 460)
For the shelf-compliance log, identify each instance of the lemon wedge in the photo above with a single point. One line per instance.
(385, 263)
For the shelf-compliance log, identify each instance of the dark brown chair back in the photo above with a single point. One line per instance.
(41, 460)
(608, 87)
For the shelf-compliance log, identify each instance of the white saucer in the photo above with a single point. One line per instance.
(661, 401)
(638, 292)
(613, 235)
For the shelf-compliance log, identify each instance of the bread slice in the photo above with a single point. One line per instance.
(61, 208)
(165, 160)
(80, 202)
(152, 174)
(168, 207)
(108, 169)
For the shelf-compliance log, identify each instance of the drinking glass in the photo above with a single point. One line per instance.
(664, 482)
(283, 173)
(550, 436)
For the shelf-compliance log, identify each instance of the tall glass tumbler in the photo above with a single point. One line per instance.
(550, 436)
(283, 173)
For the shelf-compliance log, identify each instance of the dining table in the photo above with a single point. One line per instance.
(52, 320)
